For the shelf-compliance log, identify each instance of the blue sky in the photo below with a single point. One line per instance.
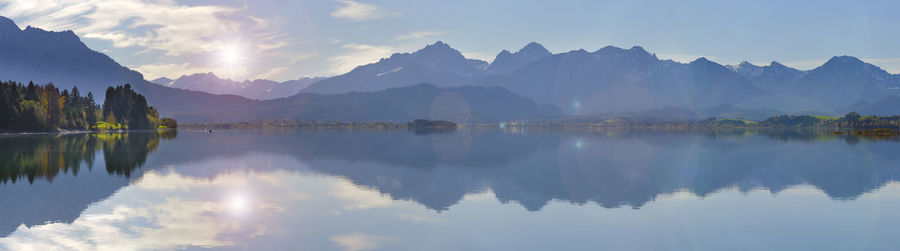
(284, 39)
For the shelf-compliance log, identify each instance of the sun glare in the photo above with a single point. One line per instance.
(230, 58)
(237, 203)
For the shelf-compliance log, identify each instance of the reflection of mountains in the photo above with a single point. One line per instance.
(437, 170)
(629, 169)
(44, 160)
(612, 168)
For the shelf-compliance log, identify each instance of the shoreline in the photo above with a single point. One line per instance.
(67, 132)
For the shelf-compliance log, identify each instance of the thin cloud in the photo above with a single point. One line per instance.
(161, 25)
(419, 35)
(361, 242)
(357, 55)
(271, 72)
(359, 198)
(804, 64)
(356, 11)
(891, 65)
(487, 57)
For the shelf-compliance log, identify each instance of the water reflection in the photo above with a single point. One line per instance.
(60, 175)
(45, 156)
(609, 168)
(250, 188)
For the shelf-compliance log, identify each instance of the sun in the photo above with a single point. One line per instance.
(230, 57)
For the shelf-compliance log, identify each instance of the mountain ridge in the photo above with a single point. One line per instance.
(257, 89)
(608, 80)
(506, 62)
(59, 57)
(615, 80)
(437, 63)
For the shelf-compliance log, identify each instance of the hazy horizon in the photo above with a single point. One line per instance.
(282, 40)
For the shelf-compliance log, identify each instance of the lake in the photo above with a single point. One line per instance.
(471, 189)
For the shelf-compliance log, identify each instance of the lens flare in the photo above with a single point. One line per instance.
(231, 57)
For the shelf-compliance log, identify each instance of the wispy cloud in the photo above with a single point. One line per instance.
(419, 35)
(271, 72)
(487, 57)
(361, 242)
(161, 25)
(358, 54)
(419, 218)
(891, 65)
(168, 219)
(359, 198)
(356, 11)
(805, 64)
(271, 41)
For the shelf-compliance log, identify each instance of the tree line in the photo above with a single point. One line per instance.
(851, 120)
(34, 107)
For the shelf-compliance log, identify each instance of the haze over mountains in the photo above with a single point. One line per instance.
(259, 89)
(437, 64)
(616, 80)
(611, 80)
(61, 58)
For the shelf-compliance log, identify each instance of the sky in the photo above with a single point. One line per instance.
(288, 39)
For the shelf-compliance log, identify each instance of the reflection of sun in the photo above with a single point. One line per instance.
(237, 203)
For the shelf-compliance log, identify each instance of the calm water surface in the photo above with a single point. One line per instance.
(465, 190)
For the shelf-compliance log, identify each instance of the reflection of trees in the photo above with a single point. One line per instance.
(45, 156)
(64, 197)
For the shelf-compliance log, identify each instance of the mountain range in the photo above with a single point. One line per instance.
(613, 80)
(259, 89)
(42, 56)
(437, 64)
(607, 81)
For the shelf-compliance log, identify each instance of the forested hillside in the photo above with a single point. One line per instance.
(31, 107)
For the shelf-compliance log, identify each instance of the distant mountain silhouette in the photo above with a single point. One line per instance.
(438, 64)
(844, 80)
(610, 80)
(773, 77)
(164, 81)
(259, 89)
(402, 104)
(458, 104)
(61, 58)
(618, 80)
(615, 80)
(507, 62)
